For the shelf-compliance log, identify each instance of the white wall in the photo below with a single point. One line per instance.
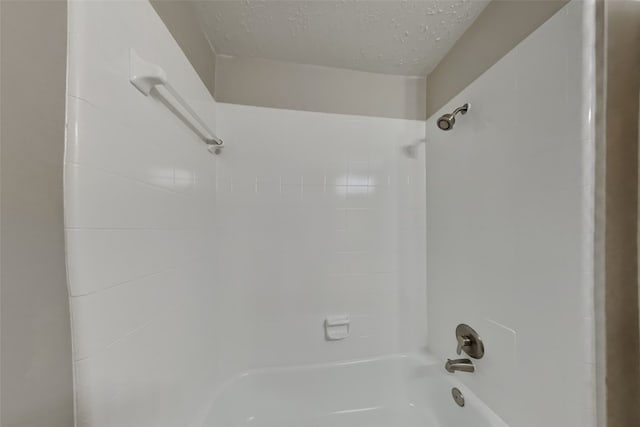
(186, 269)
(510, 226)
(149, 319)
(322, 214)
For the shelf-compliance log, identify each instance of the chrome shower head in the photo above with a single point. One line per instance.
(446, 121)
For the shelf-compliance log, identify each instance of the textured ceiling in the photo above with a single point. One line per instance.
(392, 37)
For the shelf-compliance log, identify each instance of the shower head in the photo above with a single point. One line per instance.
(446, 121)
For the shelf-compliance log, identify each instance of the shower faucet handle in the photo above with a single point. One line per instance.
(463, 344)
(469, 341)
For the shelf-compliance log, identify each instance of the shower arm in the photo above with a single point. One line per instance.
(462, 110)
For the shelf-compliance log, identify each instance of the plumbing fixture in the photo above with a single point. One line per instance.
(469, 341)
(462, 365)
(446, 121)
(458, 397)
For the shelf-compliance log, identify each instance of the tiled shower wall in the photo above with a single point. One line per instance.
(186, 269)
(322, 214)
(510, 226)
(139, 212)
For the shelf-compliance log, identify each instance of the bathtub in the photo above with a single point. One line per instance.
(394, 391)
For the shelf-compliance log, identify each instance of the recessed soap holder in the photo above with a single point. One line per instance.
(337, 327)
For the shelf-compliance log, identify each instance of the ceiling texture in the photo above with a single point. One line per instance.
(404, 37)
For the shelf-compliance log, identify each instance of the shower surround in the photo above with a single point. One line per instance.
(200, 284)
(510, 226)
(337, 231)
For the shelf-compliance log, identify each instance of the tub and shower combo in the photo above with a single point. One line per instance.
(235, 265)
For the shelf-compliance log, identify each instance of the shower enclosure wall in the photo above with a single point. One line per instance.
(201, 285)
(510, 224)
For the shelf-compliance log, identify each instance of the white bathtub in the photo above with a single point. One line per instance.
(395, 391)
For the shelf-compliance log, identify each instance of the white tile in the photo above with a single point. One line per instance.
(139, 216)
(330, 249)
(98, 199)
(104, 258)
(102, 318)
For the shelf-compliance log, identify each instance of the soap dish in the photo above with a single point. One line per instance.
(336, 327)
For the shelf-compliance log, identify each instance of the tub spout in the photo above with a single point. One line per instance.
(463, 365)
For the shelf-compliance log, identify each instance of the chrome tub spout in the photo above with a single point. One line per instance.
(463, 365)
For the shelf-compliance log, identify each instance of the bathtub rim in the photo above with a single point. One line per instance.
(420, 359)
